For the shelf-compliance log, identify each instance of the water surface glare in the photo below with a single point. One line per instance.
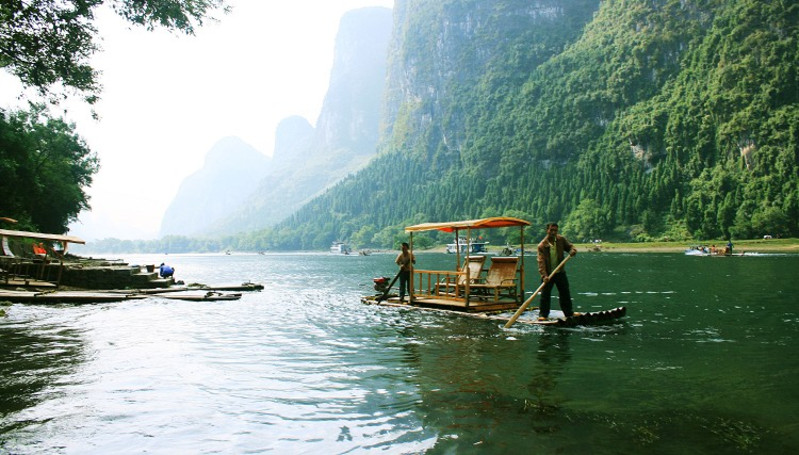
(705, 362)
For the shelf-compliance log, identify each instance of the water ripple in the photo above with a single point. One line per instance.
(304, 367)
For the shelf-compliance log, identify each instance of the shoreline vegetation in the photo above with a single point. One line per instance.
(781, 245)
(787, 245)
(790, 245)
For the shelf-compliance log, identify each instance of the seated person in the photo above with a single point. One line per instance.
(166, 271)
(39, 250)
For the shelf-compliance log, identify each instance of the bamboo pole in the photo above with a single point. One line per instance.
(410, 279)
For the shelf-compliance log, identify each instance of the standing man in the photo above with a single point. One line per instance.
(550, 253)
(405, 261)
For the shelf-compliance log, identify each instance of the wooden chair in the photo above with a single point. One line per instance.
(500, 280)
(455, 286)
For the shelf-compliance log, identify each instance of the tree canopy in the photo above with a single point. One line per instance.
(44, 168)
(47, 43)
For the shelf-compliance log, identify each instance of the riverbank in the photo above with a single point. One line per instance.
(788, 246)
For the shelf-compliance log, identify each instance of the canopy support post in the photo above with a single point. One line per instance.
(410, 281)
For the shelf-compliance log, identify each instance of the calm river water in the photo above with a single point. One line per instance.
(705, 362)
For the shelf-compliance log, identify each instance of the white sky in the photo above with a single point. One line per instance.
(168, 98)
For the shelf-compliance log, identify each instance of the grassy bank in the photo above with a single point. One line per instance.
(739, 246)
(760, 246)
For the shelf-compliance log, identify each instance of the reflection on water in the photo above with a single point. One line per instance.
(553, 354)
(37, 364)
(704, 363)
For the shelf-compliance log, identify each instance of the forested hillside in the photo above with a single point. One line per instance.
(621, 119)
(631, 119)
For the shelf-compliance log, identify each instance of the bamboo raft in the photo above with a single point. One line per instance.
(587, 318)
(66, 297)
(207, 297)
(208, 294)
(467, 290)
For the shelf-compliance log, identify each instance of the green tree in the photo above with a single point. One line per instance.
(363, 238)
(588, 221)
(46, 43)
(770, 220)
(44, 170)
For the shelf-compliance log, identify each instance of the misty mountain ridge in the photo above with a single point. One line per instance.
(231, 172)
(306, 159)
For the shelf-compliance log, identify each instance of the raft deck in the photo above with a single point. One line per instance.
(503, 314)
(474, 306)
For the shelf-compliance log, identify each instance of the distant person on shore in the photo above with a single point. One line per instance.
(405, 261)
(166, 271)
(729, 247)
(551, 252)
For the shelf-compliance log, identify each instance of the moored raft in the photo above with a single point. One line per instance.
(210, 296)
(244, 287)
(202, 293)
(66, 297)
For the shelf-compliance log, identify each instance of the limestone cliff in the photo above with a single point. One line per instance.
(309, 160)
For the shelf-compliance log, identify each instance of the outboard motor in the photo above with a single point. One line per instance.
(381, 284)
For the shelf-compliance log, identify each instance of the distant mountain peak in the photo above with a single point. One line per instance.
(231, 172)
(228, 149)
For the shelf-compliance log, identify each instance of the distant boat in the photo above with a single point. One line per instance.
(340, 248)
(510, 251)
(715, 252)
(473, 247)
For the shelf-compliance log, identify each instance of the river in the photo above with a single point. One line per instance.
(704, 362)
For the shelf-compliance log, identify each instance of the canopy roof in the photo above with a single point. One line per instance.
(483, 223)
(41, 236)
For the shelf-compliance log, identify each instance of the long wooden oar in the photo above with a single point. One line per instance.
(385, 294)
(527, 302)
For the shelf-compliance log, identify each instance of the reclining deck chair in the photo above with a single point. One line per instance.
(455, 286)
(500, 281)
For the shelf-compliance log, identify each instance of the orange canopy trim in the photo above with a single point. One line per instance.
(451, 226)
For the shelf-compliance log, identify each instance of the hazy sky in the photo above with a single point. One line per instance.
(168, 98)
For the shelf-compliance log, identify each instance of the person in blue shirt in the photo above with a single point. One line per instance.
(166, 271)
